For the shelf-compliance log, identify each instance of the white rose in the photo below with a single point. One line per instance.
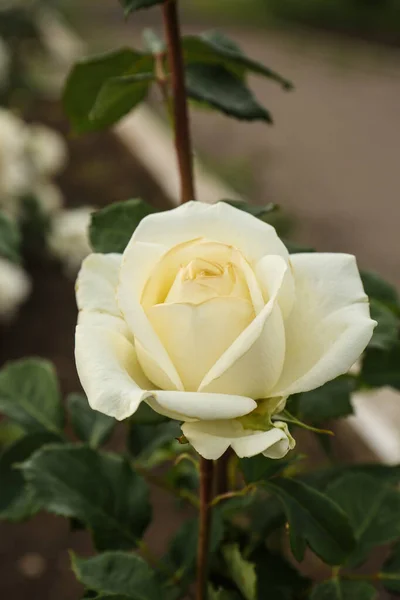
(14, 170)
(14, 288)
(207, 318)
(69, 237)
(47, 150)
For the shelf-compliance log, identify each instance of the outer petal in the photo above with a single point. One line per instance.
(186, 406)
(212, 438)
(108, 368)
(329, 326)
(219, 222)
(97, 283)
(138, 261)
(253, 363)
(115, 383)
(196, 335)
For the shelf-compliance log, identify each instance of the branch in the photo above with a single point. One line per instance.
(206, 492)
(180, 107)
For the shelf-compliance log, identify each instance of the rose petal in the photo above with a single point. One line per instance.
(219, 222)
(108, 368)
(267, 272)
(138, 261)
(185, 406)
(253, 363)
(97, 282)
(196, 335)
(329, 325)
(212, 438)
(115, 383)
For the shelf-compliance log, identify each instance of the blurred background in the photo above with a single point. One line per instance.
(331, 161)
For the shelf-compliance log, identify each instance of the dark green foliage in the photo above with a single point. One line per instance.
(213, 47)
(89, 425)
(377, 288)
(330, 401)
(119, 95)
(276, 577)
(216, 86)
(373, 509)
(259, 467)
(17, 501)
(29, 394)
(10, 239)
(91, 101)
(100, 490)
(337, 589)
(130, 6)
(118, 574)
(112, 227)
(151, 444)
(314, 520)
(390, 572)
(380, 367)
(386, 333)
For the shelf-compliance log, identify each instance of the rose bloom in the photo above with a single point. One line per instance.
(207, 318)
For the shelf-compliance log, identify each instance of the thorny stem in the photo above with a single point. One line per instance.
(179, 100)
(206, 493)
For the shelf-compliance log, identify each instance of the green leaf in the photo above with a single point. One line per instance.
(257, 211)
(117, 573)
(182, 550)
(89, 425)
(221, 89)
(147, 416)
(112, 227)
(259, 467)
(17, 501)
(377, 288)
(30, 395)
(314, 519)
(101, 490)
(241, 571)
(390, 573)
(386, 333)
(221, 594)
(87, 79)
(330, 401)
(10, 432)
(321, 478)
(132, 5)
(373, 509)
(213, 47)
(381, 367)
(10, 239)
(276, 577)
(337, 589)
(152, 444)
(118, 96)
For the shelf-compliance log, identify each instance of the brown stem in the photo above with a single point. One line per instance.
(180, 107)
(206, 494)
(221, 478)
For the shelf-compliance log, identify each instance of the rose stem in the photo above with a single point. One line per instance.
(206, 494)
(179, 100)
(221, 475)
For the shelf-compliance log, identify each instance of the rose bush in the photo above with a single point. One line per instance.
(207, 318)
